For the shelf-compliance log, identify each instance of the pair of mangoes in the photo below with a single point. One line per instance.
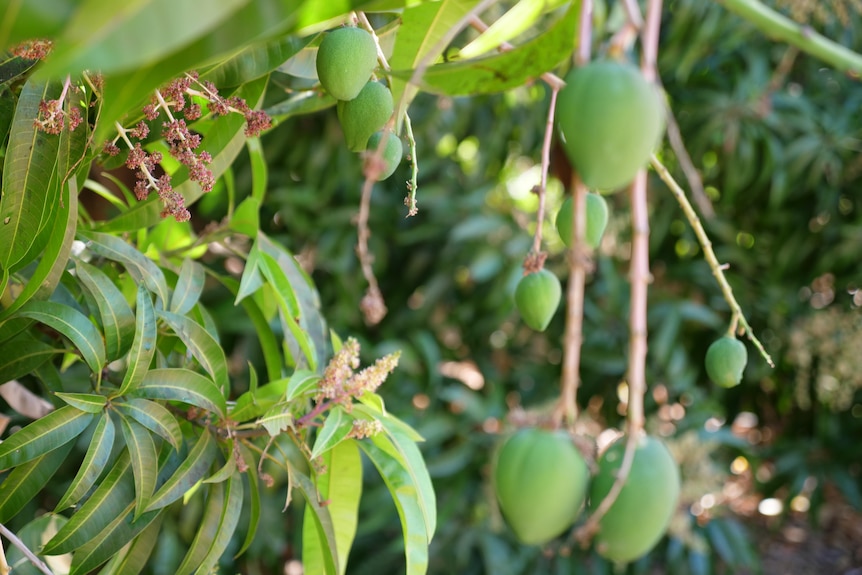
(542, 481)
(346, 60)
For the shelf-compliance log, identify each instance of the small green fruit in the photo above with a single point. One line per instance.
(537, 298)
(365, 114)
(393, 151)
(725, 361)
(345, 60)
(541, 480)
(597, 220)
(641, 512)
(610, 120)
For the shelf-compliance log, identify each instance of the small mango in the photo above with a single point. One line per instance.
(725, 361)
(537, 297)
(367, 113)
(346, 58)
(597, 220)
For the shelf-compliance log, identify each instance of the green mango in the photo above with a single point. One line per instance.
(725, 361)
(346, 58)
(610, 119)
(597, 220)
(537, 297)
(393, 152)
(541, 481)
(367, 113)
(641, 513)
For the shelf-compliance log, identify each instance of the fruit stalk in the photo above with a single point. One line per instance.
(709, 255)
(546, 162)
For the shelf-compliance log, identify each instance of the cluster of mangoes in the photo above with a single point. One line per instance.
(542, 484)
(346, 60)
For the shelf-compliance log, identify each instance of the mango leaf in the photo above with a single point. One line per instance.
(254, 61)
(193, 469)
(43, 435)
(507, 70)
(254, 498)
(341, 487)
(334, 430)
(175, 384)
(281, 285)
(144, 344)
(322, 522)
(222, 139)
(190, 285)
(118, 37)
(32, 535)
(29, 354)
(227, 524)
(118, 321)
(89, 402)
(154, 417)
(50, 268)
(371, 408)
(110, 498)
(252, 279)
(514, 22)
(12, 67)
(95, 460)
(28, 176)
(208, 530)
(422, 28)
(139, 266)
(276, 419)
(405, 493)
(254, 403)
(246, 217)
(227, 469)
(72, 324)
(142, 451)
(202, 346)
(259, 179)
(301, 382)
(23, 484)
(132, 559)
(300, 104)
(33, 19)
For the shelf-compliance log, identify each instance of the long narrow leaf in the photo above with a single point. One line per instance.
(24, 483)
(29, 354)
(43, 435)
(94, 463)
(322, 522)
(144, 344)
(202, 346)
(334, 430)
(154, 417)
(190, 285)
(207, 532)
(89, 402)
(254, 499)
(142, 451)
(183, 385)
(193, 468)
(118, 321)
(72, 324)
(227, 524)
(133, 559)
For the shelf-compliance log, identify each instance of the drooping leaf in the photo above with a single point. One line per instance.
(517, 20)
(208, 530)
(25, 481)
(500, 72)
(334, 430)
(259, 183)
(144, 344)
(254, 498)
(140, 267)
(94, 463)
(89, 402)
(142, 451)
(246, 217)
(252, 278)
(202, 346)
(190, 285)
(28, 176)
(113, 495)
(43, 435)
(154, 417)
(118, 321)
(322, 521)
(72, 324)
(132, 559)
(227, 524)
(341, 488)
(29, 354)
(227, 469)
(176, 384)
(193, 469)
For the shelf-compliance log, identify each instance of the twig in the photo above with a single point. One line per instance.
(543, 182)
(709, 255)
(691, 174)
(13, 539)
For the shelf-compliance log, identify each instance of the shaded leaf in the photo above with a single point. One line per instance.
(23, 484)
(322, 521)
(154, 417)
(193, 469)
(143, 346)
(133, 559)
(142, 451)
(175, 384)
(227, 524)
(254, 403)
(72, 324)
(254, 498)
(95, 460)
(118, 321)
(202, 346)
(29, 354)
(254, 61)
(227, 469)
(207, 531)
(190, 285)
(89, 402)
(43, 435)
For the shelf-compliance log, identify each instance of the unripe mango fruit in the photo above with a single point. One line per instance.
(365, 114)
(537, 297)
(597, 220)
(725, 361)
(541, 480)
(393, 151)
(610, 119)
(345, 60)
(640, 514)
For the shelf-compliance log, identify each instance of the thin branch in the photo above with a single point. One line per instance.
(709, 255)
(674, 137)
(13, 539)
(546, 162)
(781, 28)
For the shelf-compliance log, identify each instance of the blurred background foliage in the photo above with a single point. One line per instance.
(776, 137)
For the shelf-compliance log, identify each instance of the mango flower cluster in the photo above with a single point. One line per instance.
(341, 383)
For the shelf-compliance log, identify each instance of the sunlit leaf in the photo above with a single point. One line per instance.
(301, 383)
(252, 404)
(95, 460)
(144, 344)
(514, 22)
(43, 435)
(334, 430)
(322, 521)
(89, 402)
(72, 324)
(183, 385)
